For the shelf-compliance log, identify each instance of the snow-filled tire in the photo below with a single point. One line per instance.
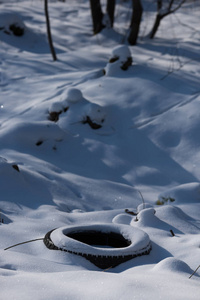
(79, 240)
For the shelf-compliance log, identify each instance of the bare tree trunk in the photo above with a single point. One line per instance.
(49, 30)
(97, 16)
(111, 11)
(155, 26)
(135, 21)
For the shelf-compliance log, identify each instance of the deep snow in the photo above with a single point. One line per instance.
(119, 137)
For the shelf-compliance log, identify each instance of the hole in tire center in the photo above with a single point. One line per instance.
(100, 239)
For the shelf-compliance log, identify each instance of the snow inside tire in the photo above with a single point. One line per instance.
(105, 245)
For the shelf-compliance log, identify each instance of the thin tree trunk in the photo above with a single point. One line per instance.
(159, 5)
(97, 16)
(135, 21)
(157, 20)
(156, 25)
(111, 11)
(49, 30)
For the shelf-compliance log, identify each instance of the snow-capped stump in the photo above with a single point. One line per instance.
(55, 110)
(120, 59)
(17, 29)
(95, 116)
(146, 217)
(15, 167)
(92, 124)
(71, 96)
(105, 245)
(13, 25)
(54, 116)
(80, 111)
(96, 112)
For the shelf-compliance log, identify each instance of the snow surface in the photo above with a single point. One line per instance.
(65, 173)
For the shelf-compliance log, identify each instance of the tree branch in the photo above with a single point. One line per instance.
(171, 11)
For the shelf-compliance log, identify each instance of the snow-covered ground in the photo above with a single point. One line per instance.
(82, 140)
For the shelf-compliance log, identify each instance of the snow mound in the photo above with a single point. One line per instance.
(122, 219)
(184, 193)
(56, 107)
(4, 219)
(6, 168)
(148, 218)
(177, 218)
(21, 187)
(31, 134)
(123, 52)
(172, 264)
(144, 206)
(72, 95)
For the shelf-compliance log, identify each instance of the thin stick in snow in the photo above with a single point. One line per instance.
(194, 272)
(23, 243)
